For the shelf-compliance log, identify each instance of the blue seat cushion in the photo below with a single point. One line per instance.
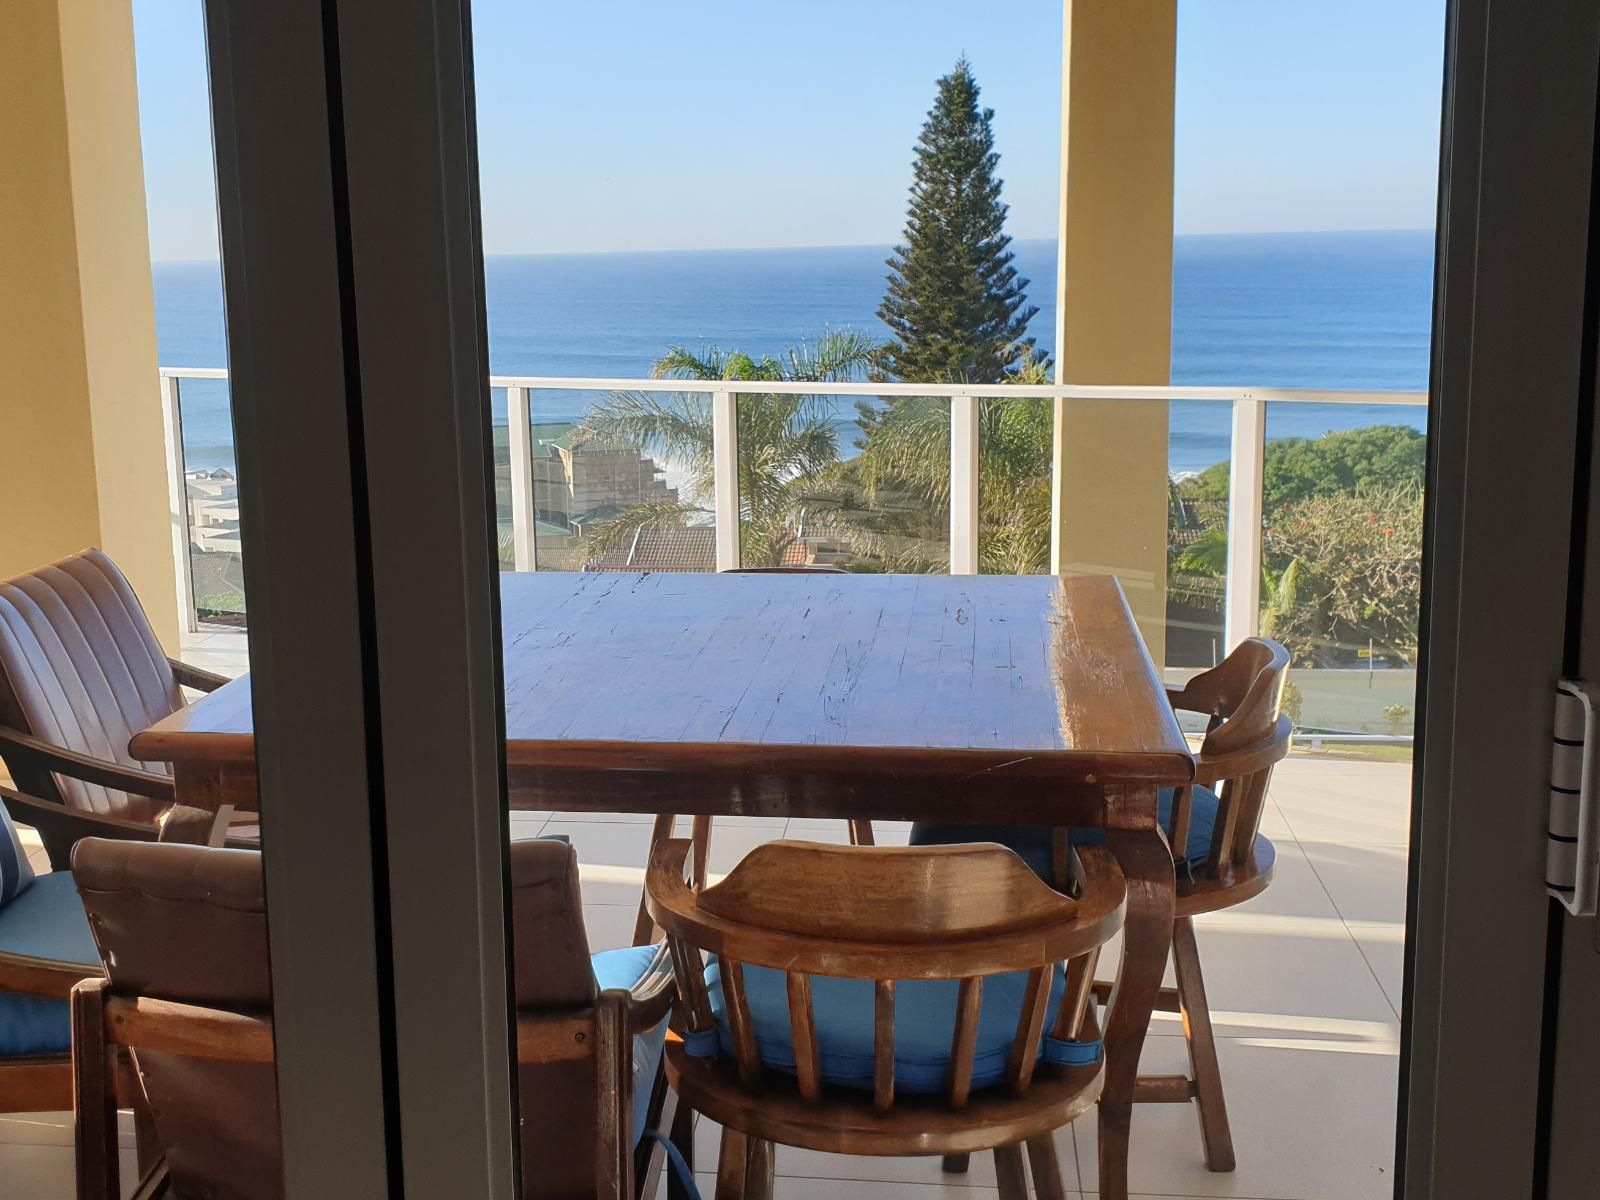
(1031, 843)
(622, 969)
(924, 1027)
(45, 921)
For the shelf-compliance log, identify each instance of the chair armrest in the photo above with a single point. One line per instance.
(80, 766)
(650, 999)
(48, 816)
(198, 678)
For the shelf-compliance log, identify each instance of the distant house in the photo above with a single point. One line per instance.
(213, 496)
(671, 548)
(573, 481)
(681, 548)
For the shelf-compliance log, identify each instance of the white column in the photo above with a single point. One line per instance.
(725, 464)
(1246, 475)
(177, 500)
(524, 524)
(963, 485)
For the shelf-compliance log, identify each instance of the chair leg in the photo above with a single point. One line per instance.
(861, 834)
(683, 1138)
(1009, 1173)
(955, 1164)
(759, 1171)
(94, 1095)
(731, 1164)
(1203, 1065)
(644, 929)
(1045, 1168)
(700, 850)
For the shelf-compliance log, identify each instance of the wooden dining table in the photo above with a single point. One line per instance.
(986, 699)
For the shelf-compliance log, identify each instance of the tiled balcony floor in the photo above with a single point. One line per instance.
(1304, 984)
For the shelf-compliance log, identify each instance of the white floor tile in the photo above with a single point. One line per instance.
(730, 843)
(609, 926)
(1384, 947)
(1288, 976)
(645, 819)
(46, 1172)
(1308, 1124)
(37, 1172)
(1366, 882)
(529, 827)
(854, 1189)
(795, 1165)
(1355, 807)
(52, 1129)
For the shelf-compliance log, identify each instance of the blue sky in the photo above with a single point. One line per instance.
(639, 125)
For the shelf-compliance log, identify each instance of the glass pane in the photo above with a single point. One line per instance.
(1199, 442)
(211, 491)
(1014, 465)
(1342, 562)
(855, 482)
(621, 481)
(505, 531)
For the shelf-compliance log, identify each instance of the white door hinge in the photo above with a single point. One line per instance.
(1572, 855)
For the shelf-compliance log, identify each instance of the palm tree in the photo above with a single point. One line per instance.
(908, 448)
(788, 445)
(1207, 556)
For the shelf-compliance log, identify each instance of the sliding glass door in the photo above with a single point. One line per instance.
(352, 274)
(1511, 575)
(380, 503)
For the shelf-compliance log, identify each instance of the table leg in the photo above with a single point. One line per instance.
(1147, 939)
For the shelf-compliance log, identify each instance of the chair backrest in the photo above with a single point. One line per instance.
(1246, 736)
(886, 914)
(80, 668)
(186, 926)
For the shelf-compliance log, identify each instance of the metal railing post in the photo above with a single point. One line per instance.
(177, 501)
(725, 466)
(524, 522)
(1246, 476)
(963, 485)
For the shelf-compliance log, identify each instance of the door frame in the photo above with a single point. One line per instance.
(353, 284)
(1505, 413)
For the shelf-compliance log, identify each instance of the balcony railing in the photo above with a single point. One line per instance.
(1248, 408)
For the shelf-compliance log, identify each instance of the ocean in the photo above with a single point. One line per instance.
(1325, 310)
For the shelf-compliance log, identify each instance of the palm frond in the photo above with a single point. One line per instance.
(674, 427)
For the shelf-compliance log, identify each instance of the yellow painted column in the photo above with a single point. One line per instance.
(82, 459)
(1114, 296)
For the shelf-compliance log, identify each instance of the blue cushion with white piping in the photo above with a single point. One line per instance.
(1031, 843)
(622, 969)
(45, 922)
(924, 1027)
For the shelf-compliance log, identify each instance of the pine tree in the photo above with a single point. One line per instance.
(956, 305)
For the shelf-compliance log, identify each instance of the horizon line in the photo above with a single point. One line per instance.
(859, 245)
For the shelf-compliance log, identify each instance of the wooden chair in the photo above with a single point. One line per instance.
(45, 948)
(183, 930)
(1222, 859)
(81, 672)
(885, 1001)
